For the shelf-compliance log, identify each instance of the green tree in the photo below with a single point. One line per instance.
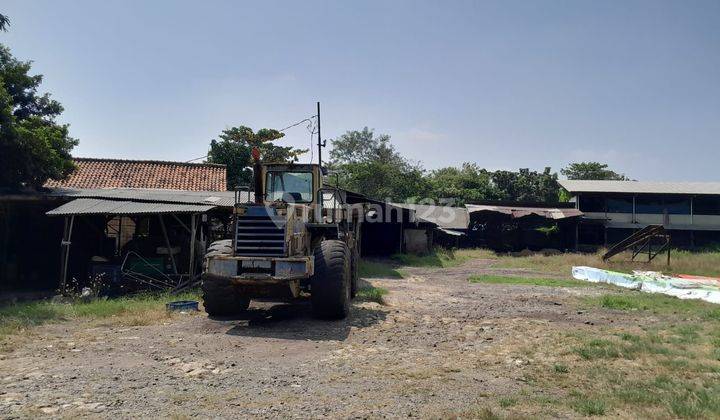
(4, 23)
(33, 147)
(526, 185)
(591, 171)
(466, 184)
(234, 145)
(369, 164)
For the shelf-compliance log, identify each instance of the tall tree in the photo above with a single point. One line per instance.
(33, 147)
(527, 185)
(233, 148)
(591, 171)
(369, 163)
(4, 23)
(466, 184)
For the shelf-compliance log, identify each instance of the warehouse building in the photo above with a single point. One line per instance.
(613, 210)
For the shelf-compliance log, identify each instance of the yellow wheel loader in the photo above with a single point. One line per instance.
(295, 237)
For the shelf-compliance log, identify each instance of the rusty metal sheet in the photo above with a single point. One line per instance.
(518, 212)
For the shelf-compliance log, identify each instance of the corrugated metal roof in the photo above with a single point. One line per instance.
(98, 206)
(641, 187)
(444, 216)
(518, 212)
(215, 198)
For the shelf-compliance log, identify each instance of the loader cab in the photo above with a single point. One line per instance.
(291, 183)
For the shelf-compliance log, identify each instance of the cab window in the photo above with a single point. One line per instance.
(291, 187)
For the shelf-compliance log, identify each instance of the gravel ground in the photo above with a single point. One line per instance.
(439, 347)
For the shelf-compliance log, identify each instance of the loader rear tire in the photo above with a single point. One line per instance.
(330, 286)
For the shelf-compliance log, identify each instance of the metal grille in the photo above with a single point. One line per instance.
(262, 236)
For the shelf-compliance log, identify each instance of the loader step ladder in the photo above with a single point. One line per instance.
(643, 240)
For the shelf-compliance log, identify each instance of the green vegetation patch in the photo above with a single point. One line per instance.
(672, 370)
(681, 262)
(19, 316)
(656, 303)
(589, 406)
(372, 294)
(561, 368)
(377, 269)
(442, 257)
(628, 347)
(493, 279)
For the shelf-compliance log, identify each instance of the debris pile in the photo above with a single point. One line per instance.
(681, 286)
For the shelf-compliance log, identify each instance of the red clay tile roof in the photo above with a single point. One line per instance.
(117, 173)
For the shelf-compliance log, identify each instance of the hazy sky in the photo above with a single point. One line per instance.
(503, 84)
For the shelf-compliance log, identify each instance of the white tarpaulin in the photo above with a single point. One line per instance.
(651, 282)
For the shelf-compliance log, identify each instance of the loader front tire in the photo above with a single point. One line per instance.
(220, 297)
(330, 286)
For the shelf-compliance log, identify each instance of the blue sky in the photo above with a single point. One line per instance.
(503, 84)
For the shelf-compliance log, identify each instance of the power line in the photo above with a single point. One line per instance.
(193, 160)
(311, 128)
(308, 119)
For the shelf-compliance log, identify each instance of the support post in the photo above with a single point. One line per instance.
(167, 243)
(605, 242)
(402, 236)
(4, 239)
(181, 223)
(650, 248)
(191, 271)
(319, 144)
(65, 254)
(692, 211)
(577, 236)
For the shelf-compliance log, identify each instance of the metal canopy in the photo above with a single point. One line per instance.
(82, 206)
(641, 187)
(214, 198)
(518, 212)
(446, 217)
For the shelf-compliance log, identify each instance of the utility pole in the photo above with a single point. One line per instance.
(320, 145)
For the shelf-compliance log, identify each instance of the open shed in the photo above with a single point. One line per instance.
(449, 224)
(508, 226)
(133, 238)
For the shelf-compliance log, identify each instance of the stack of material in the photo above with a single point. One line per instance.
(685, 287)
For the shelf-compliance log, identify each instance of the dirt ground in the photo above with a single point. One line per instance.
(440, 347)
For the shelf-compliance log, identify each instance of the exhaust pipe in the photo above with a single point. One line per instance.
(257, 176)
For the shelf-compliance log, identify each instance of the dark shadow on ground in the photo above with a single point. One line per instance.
(295, 321)
(379, 268)
(362, 283)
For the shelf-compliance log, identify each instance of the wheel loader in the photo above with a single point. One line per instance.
(295, 238)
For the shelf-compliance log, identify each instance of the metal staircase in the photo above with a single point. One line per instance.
(643, 240)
